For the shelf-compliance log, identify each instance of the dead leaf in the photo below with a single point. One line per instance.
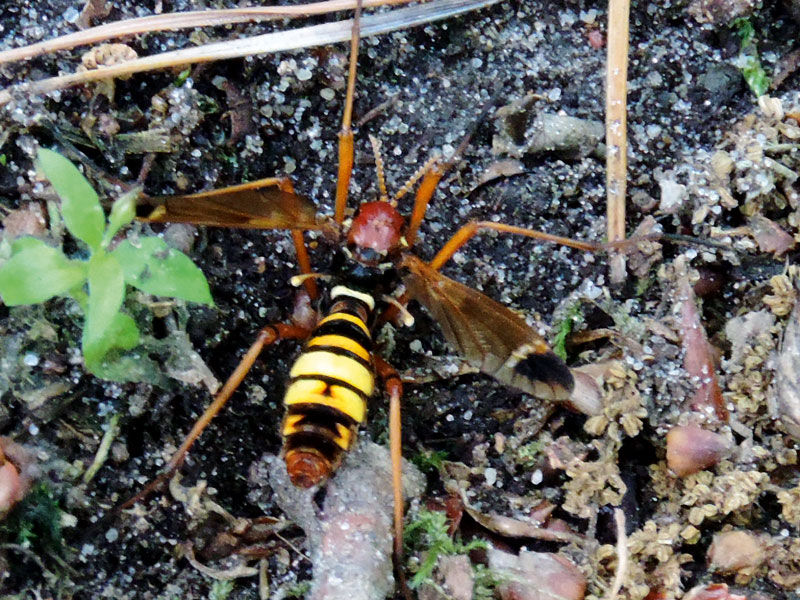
(742, 330)
(18, 470)
(787, 376)
(537, 576)
(699, 359)
(516, 528)
(714, 591)
(645, 253)
(733, 551)
(587, 395)
(691, 449)
(93, 10)
(769, 236)
(501, 168)
(456, 573)
(240, 110)
(27, 220)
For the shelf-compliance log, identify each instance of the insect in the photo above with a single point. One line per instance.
(338, 370)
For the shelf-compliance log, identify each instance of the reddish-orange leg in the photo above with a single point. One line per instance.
(266, 337)
(394, 388)
(468, 231)
(346, 133)
(303, 260)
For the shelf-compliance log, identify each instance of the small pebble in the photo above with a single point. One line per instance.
(491, 475)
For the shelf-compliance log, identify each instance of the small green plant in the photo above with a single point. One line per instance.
(37, 272)
(748, 61)
(527, 456)
(36, 521)
(220, 589)
(296, 590)
(485, 581)
(428, 534)
(429, 461)
(572, 317)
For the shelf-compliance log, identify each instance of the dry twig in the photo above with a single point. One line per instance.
(622, 554)
(181, 20)
(617, 128)
(295, 39)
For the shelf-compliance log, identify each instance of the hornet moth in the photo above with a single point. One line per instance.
(338, 370)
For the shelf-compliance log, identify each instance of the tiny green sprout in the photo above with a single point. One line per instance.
(37, 272)
(485, 582)
(748, 60)
(572, 317)
(429, 461)
(296, 590)
(36, 521)
(428, 534)
(220, 589)
(3, 160)
(528, 454)
(182, 77)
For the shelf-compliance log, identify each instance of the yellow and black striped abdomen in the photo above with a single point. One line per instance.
(329, 386)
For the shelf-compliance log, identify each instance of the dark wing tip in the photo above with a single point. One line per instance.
(548, 368)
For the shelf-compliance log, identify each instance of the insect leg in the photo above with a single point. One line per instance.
(432, 172)
(393, 386)
(346, 133)
(466, 233)
(300, 249)
(425, 192)
(266, 336)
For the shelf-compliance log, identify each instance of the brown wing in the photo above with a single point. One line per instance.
(489, 335)
(246, 206)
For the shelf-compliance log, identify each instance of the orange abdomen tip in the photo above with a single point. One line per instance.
(307, 468)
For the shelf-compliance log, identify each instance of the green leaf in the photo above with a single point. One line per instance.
(123, 211)
(80, 205)
(571, 318)
(106, 292)
(153, 267)
(754, 74)
(130, 368)
(748, 60)
(123, 331)
(744, 28)
(36, 272)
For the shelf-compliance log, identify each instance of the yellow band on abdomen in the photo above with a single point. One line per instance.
(346, 401)
(334, 366)
(340, 341)
(341, 316)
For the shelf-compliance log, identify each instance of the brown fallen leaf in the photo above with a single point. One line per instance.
(698, 358)
(646, 253)
(501, 168)
(537, 576)
(787, 376)
(456, 573)
(516, 528)
(27, 220)
(733, 551)
(691, 449)
(769, 236)
(240, 110)
(714, 591)
(18, 470)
